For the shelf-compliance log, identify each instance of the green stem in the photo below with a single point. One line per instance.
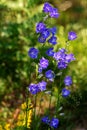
(50, 102)
(58, 98)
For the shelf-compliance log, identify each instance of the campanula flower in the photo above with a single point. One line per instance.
(69, 58)
(54, 13)
(42, 85)
(40, 69)
(40, 27)
(50, 74)
(44, 63)
(68, 81)
(53, 30)
(47, 7)
(62, 65)
(53, 40)
(33, 88)
(50, 52)
(45, 119)
(54, 123)
(41, 39)
(65, 92)
(46, 33)
(72, 35)
(33, 52)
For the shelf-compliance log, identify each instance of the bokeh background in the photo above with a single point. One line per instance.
(17, 34)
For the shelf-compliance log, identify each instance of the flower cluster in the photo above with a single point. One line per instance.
(54, 122)
(35, 88)
(53, 12)
(61, 58)
(46, 34)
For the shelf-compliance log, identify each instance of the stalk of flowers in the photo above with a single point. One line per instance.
(21, 122)
(61, 59)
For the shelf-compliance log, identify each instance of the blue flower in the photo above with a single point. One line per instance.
(40, 27)
(50, 74)
(54, 13)
(60, 55)
(53, 30)
(65, 92)
(72, 35)
(46, 33)
(54, 123)
(33, 88)
(53, 40)
(62, 50)
(44, 63)
(62, 65)
(42, 39)
(50, 52)
(69, 58)
(33, 52)
(40, 69)
(47, 7)
(45, 119)
(42, 85)
(68, 81)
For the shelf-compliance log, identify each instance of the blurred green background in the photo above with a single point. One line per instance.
(17, 34)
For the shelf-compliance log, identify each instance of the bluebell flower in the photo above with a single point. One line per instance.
(46, 33)
(40, 69)
(62, 50)
(54, 123)
(41, 39)
(47, 7)
(40, 27)
(65, 92)
(50, 75)
(62, 65)
(45, 119)
(68, 81)
(54, 13)
(53, 30)
(42, 85)
(53, 40)
(72, 35)
(33, 88)
(60, 55)
(50, 52)
(44, 63)
(33, 52)
(69, 58)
